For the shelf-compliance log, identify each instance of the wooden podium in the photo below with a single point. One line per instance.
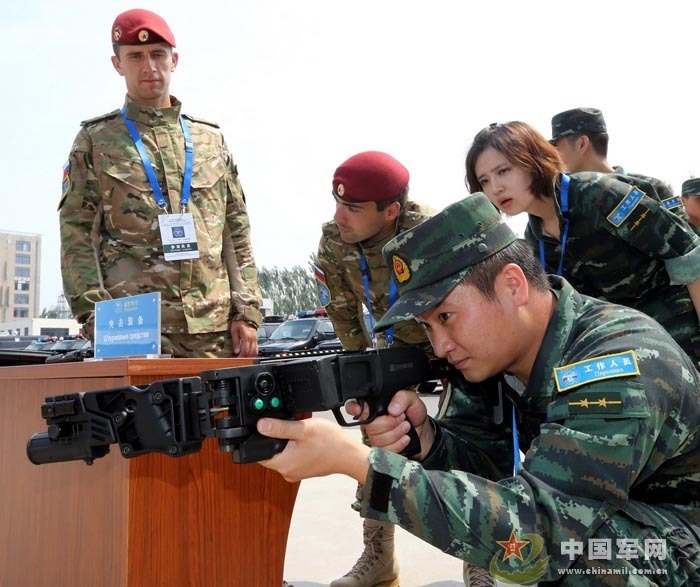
(198, 520)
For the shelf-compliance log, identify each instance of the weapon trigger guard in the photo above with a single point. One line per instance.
(342, 421)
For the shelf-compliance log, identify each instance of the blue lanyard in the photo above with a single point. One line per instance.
(564, 195)
(516, 445)
(393, 294)
(148, 164)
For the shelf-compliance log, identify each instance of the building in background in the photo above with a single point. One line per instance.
(20, 259)
(55, 320)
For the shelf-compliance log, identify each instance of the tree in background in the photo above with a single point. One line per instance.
(291, 289)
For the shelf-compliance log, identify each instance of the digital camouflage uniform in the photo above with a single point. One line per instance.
(657, 189)
(642, 257)
(609, 421)
(341, 264)
(110, 240)
(608, 470)
(591, 122)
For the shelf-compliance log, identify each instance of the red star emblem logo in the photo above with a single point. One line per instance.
(513, 546)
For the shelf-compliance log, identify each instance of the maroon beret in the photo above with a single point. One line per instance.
(371, 176)
(141, 27)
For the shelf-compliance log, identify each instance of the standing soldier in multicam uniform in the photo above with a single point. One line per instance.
(372, 206)
(690, 192)
(608, 238)
(134, 168)
(580, 136)
(602, 401)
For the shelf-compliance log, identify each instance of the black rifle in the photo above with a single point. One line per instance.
(174, 416)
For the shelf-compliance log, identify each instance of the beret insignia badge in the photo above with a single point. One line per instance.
(341, 190)
(143, 35)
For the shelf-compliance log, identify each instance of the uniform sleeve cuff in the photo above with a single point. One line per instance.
(385, 471)
(686, 269)
(249, 314)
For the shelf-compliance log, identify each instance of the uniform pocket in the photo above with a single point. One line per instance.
(208, 208)
(130, 211)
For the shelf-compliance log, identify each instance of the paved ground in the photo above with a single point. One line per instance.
(325, 538)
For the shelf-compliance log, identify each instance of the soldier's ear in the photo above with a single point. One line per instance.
(511, 285)
(175, 57)
(117, 64)
(583, 143)
(392, 211)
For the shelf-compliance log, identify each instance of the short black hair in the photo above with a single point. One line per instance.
(483, 275)
(599, 141)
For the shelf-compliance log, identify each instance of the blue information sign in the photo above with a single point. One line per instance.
(128, 327)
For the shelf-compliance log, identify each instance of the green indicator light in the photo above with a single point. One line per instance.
(275, 402)
(258, 404)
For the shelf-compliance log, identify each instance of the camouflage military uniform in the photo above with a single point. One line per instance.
(611, 459)
(657, 189)
(341, 264)
(643, 262)
(110, 242)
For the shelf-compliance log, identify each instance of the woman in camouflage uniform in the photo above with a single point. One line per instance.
(607, 237)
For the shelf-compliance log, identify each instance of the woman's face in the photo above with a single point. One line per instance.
(505, 184)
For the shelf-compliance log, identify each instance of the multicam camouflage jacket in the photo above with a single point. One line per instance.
(625, 247)
(341, 264)
(110, 240)
(610, 425)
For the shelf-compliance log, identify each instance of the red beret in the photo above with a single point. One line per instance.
(141, 27)
(371, 176)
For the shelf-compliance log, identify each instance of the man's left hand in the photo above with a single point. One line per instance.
(245, 339)
(316, 448)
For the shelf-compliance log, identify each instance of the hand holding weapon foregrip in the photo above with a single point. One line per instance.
(174, 416)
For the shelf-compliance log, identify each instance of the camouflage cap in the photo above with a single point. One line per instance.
(429, 260)
(691, 187)
(577, 121)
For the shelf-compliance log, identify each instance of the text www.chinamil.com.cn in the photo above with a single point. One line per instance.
(601, 571)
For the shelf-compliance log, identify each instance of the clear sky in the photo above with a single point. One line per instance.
(299, 86)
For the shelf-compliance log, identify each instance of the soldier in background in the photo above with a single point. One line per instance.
(581, 138)
(690, 192)
(372, 206)
(149, 165)
(607, 237)
(602, 401)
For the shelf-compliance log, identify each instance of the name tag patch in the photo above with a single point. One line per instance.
(623, 210)
(671, 203)
(596, 369)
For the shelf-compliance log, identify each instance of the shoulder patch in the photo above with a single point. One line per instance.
(324, 294)
(90, 121)
(626, 206)
(672, 202)
(581, 373)
(200, 120)
(65, 182)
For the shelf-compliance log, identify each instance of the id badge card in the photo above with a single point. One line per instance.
(178, 236)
